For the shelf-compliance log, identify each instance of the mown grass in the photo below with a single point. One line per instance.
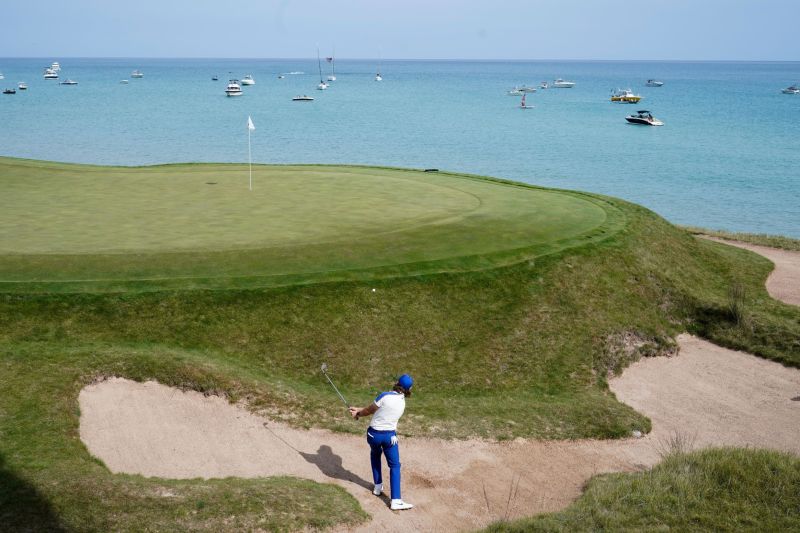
(499, 349)
(724, 489)
(763, 239)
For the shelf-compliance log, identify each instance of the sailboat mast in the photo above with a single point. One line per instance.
(319, 65)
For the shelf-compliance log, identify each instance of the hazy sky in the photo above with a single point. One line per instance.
(473, 29)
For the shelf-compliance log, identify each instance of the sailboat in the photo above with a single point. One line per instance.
(332, 61)
(322, 85)
(378, 76)
(523, 105)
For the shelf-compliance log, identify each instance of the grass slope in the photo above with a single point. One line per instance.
(520, 349)
(713, 490)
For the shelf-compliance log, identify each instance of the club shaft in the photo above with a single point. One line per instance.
(334, 388)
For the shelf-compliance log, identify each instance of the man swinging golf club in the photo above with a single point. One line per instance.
(386, 410)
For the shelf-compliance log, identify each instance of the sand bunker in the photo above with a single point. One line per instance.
(708, 394)
(784, 282)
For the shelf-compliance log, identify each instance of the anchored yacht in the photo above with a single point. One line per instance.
(233, 88)
(248, 80)
(625, 96)
(563, 84)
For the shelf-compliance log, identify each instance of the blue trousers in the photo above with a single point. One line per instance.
(380, 443)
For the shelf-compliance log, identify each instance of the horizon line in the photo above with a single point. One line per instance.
(486, 60)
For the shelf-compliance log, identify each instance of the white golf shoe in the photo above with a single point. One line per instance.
(400, 505)
(378, 489)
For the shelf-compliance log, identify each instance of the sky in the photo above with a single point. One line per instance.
(404, 29)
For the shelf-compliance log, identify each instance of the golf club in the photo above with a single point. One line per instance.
(324, 368)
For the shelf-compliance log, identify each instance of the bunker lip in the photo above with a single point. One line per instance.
(707, 396)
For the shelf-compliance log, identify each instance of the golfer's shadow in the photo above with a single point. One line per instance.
(330, 464)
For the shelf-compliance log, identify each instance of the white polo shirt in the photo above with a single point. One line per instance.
(390, 408)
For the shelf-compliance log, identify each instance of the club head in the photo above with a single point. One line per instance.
(324, 367)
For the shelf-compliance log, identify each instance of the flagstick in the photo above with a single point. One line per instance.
(250, 157)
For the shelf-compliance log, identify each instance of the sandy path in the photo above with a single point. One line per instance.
(784, 282)
(712, 395)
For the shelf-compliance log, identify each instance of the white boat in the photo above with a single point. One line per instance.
(563, 84)
(303, 98)
(644, 118)
(654, 83)
(515, 92)
(55, 66)
(22, 86)
(1, 76)
(378, 76)
(248, 80)
(281, 76)
(544, 85)
(793, 89)
(332, 61)
(321, 86)
(137, 74)
(233, 88)
(124, 82)
(69, 82)
(50, 74)
(523, 105)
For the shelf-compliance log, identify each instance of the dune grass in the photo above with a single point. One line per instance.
(499, 348)
(724, 489)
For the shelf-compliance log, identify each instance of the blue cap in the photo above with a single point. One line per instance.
(405, 381)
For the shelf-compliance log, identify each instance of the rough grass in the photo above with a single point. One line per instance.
(521, 349)
(713, 490)
(763, 239)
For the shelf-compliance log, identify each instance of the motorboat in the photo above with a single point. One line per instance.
(644, 118)
(233, 88)
(378, 77)
(654, 83)
(523, 105)
(544, 85)
(526, 89)
(563, 84)
(9, 91)
(22, 86)
(793, 89)
(281, 76)
(214, 78)
(124, 82)
(55, 66)
(1, 76)
(303, 98)
(50, 74)
(515, 92)
(248, 80)
(137, 74)
(625, 96)
(69, 82)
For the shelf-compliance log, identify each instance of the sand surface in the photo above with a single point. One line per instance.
(707, 394)
(784, 282)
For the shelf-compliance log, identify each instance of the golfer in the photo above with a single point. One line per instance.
(386, 410)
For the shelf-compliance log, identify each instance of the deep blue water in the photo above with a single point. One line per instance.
(728, 156)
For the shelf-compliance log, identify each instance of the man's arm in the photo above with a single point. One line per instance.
(357, 412)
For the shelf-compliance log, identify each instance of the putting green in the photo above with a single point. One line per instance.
(77, 227)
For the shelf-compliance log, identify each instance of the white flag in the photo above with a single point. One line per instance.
(250, 125)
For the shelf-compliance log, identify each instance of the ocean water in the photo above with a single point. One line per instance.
(728, 156)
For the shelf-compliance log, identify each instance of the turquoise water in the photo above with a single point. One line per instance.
(728, 156)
